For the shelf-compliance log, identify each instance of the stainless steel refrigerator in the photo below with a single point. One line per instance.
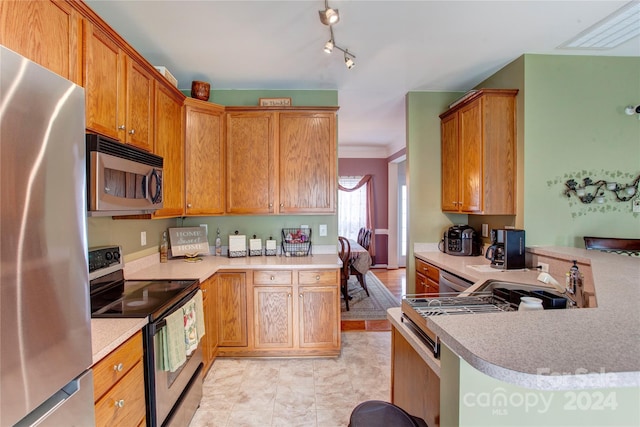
(45, 320)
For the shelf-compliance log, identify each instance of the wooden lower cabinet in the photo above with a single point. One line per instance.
(210, 339)
(427, 278)
(290, 313)
(232, 309)
(415, 387)
(119, 385)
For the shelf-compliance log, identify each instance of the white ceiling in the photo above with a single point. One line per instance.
(400, 46)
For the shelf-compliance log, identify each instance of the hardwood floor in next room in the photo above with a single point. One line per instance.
(396, 282)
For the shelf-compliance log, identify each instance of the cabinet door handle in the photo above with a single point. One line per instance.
(189, 205)
(121, 127)
(119, 403)
(132, 131)
(270, 205)
(118, 368)
(282, 205)
(301, 296)
(203, 290)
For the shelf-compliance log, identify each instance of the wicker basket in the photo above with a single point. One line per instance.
(296, 241)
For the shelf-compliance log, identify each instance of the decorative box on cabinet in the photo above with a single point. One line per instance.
(119, 385)
(292, 151)
(427, 278)
(479, 154)
(46, 32)
(204, 158)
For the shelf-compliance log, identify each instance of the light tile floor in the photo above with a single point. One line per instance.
(297, 392)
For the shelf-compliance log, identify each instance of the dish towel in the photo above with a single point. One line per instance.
(180, 337)
(173, 342)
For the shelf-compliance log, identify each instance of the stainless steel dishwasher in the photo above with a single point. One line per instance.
(450, 283)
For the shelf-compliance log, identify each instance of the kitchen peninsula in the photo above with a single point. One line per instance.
(551, 367)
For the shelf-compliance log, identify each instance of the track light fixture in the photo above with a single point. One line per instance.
(331, 44)
(329, 16)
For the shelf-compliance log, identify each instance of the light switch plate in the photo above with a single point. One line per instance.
(485, 230)
(322, 230)
(143, 238)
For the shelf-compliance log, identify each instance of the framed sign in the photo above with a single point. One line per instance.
(188, 241)
(274, 102)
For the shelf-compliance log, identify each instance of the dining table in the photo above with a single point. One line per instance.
(360, 257)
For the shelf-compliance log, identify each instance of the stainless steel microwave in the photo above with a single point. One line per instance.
(121, 179)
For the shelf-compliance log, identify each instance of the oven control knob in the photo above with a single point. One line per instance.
(108, 256)
(116, 255)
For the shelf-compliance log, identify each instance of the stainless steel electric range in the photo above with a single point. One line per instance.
(171, 397)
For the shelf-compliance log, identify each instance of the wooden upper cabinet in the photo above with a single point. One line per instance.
(169, 144)
(103, 82)
(307, 162)
(204, 158)
(251, 160)
(479, 154)
(119, 91)
(140, 93)
(46, 32)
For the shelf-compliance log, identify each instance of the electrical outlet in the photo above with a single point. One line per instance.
(544, 267)
(322, 230)
(485, 230)
(143, 238)
(206, 229)
(636, 205)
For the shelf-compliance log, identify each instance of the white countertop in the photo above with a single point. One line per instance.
(107, 334)
(180, 269)
(572, 349)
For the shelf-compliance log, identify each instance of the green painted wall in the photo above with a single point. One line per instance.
(476, 399)
(106, 231)
(426, 220)
(575, 122)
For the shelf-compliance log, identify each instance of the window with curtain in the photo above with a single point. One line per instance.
(352, 207)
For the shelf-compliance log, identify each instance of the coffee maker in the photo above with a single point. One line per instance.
(507, 249)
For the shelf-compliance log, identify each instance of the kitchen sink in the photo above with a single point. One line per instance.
(513, 291)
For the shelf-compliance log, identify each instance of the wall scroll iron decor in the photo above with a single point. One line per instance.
(595, 191)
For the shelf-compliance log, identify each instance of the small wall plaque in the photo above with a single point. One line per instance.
(188, 241)
(274, 102)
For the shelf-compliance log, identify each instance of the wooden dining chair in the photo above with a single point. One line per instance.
(613, 244)
(344, 252)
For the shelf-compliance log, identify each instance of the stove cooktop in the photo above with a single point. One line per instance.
(140, 298)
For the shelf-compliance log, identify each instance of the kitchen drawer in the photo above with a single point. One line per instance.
(272, 277)
(124, 404)
(318, 277)
(116, 364)
(428, 270)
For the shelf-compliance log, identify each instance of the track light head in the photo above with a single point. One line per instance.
(328, 46)
(348, 60)
(329, 16)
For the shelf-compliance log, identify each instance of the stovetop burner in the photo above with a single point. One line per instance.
(139, 298)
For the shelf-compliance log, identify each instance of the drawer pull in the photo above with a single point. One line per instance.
(272, 278)
(119, 403)
(132, 131)
(118, 368)
(318, 277)
(121, 127)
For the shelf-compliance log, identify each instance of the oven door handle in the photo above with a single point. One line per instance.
(154, 327)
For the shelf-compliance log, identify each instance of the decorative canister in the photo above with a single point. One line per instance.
(200, 90)
(530, 304)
